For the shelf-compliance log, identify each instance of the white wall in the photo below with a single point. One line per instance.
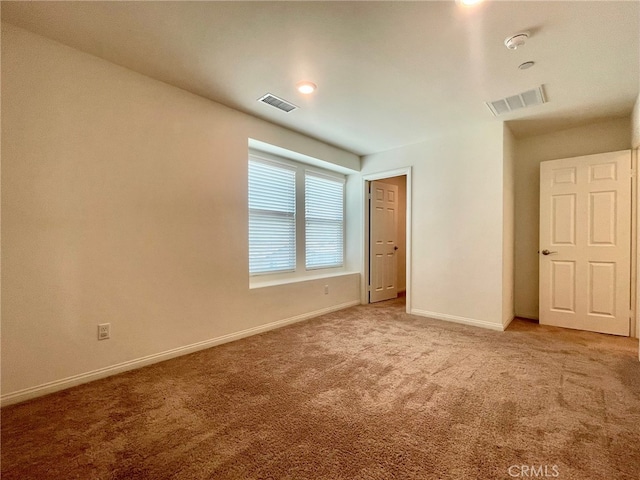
(124, 200)
(508, 235)
(606, 136)
(457, 228)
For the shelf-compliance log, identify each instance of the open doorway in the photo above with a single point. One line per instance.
(387, 236)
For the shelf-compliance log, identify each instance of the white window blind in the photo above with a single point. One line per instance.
(324, 221)
(272, 217)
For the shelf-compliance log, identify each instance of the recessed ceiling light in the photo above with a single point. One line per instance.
(468, 3)
(306, 87)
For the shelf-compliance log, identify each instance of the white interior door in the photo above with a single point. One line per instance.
(383, 261)
(585, 242)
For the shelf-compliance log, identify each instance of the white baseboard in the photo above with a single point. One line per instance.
(57, 385)
(464, 320)
(507, 322)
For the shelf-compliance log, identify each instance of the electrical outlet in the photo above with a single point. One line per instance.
(104, 331)
(326, 289)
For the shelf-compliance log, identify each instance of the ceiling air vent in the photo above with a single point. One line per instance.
(279, 103)
(515, 102)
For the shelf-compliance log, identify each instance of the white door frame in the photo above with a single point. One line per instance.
(635, 244)
(364, 279)
(635, 257)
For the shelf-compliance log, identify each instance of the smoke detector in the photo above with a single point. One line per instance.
(526, 65)
(515, 41)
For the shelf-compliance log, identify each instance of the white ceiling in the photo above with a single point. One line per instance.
(388, 73)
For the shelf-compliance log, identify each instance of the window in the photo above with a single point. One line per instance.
(272, 218)
(296, 217)
(324, 221)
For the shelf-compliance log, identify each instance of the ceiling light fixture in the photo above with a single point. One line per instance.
(468, 3)
(515, 41)
(525, 65)
(306, 87)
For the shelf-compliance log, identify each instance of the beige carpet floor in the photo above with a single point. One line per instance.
(365, 393)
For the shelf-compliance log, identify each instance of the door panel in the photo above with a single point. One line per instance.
(563, 286)
(383, 261)
(602, 218)
(564, 175)
(585, 238)
(564, 219)
(602, 295)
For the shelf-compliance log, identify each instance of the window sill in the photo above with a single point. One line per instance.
(256, 282)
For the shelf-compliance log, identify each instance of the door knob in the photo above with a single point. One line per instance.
(547, 252)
